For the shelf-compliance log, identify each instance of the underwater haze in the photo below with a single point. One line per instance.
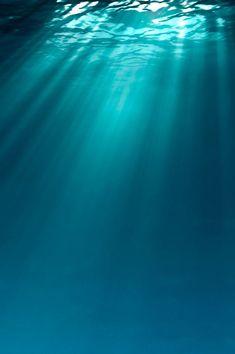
(117, 177)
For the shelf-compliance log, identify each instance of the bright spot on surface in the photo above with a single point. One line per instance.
(182, 30)
(93, 3)
(77, 9)
(187, 10)
(206, 7)
(135, 3)
(141, 8)
(181, 22)
(182, 33)
(156, 6)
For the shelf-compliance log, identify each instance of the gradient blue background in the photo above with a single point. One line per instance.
(117, 193)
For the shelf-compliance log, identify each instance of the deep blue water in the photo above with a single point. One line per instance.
(117, 177)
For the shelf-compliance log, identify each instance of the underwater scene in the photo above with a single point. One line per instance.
(117, 177)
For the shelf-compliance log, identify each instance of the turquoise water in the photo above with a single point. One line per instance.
(117, 171)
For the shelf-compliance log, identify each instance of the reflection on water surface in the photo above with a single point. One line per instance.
(105, 23)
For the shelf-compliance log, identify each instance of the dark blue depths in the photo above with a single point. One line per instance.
(117, 195)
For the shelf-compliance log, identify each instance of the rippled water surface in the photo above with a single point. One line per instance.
(143, 28)
(117, 170)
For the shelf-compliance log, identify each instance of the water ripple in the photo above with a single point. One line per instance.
(149, 20)
(172, 17)
(64, 24)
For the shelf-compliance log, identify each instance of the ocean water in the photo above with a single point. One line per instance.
(117, 177)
